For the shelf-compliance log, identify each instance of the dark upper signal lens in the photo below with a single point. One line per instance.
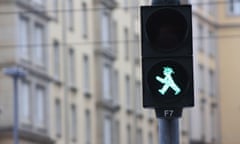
(166, 29)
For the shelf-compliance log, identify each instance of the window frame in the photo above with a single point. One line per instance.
(39, 2)
(86, 74)
(24, 46)
(105, 28)
(88, 127)
(84, 20)
(107, 130)
(58, 118)
(55, 8)
(39, 33)
(25, 105)
(70, 14)
(234, 7)
(74, 123)
(56, 59)
(129, 134)
(107, 82)
(40, 107)
(128, 92)
(126, 44)
(71, 65)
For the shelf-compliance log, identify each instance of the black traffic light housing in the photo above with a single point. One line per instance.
(167, 56)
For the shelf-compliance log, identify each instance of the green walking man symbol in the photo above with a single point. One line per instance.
(168, 81)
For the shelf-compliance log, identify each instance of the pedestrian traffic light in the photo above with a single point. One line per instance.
(167, 56)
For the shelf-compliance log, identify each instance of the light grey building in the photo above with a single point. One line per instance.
(24, 35)
(84, 79)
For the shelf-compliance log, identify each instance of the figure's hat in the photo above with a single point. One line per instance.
(168, 70)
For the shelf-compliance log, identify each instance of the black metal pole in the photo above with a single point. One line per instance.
(168, 131)
(15, 111)
(168, 128)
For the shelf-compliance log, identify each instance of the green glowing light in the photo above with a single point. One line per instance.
(168, 81)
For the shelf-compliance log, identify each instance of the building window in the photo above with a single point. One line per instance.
(234, 7)
(55, 9)
(106, 79)
(213, 124)
(125, 4)
(212, 44)
(129, 134)
(138, 97)
(39, 2)
(201, 38)
(73, 123)
(184, 123)
(70, 14)
(116, 132)
(107, 131)
(24, 102)
(40, 107)
(136, 53)
(105, 27)
(212, 9)
(115, 86)
(88, 127)
(58, 118)
(84, 20)
(212, 83)
(127, 92)
(126, 37)
(56, 60)
(201, 78)
(203, 118)
(150, 138)
(71, 67)
(86, 74)
(139, 137)
(150, 114)
(114, 36)
(24, 37)
(39, 43)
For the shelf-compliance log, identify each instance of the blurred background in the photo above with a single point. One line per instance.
(83, 81)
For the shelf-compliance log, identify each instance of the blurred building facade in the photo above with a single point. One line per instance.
(24, 31)
(204, 117)
(84, 78)
(84, 81)
(228, 43)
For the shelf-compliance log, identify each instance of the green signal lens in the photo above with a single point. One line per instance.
(168, 81)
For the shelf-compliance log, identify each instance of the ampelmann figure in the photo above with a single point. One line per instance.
(168, 81)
